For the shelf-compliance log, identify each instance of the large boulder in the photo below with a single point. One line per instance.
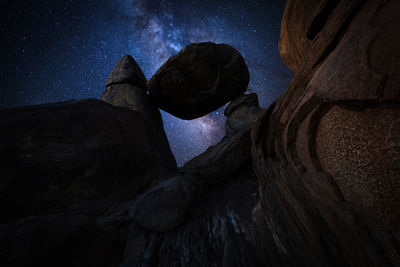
(77, 156)
(126, 87)
(240, 112)
(199, 79)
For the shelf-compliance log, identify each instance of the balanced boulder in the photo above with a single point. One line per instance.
(199, 79)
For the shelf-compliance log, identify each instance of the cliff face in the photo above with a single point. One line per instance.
(327, 154)
(311, 181)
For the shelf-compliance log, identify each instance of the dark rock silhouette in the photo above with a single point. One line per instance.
(217, 229)
(163, 207)
(314, 180)
(76, 156)
(199, 79)
(58, 240)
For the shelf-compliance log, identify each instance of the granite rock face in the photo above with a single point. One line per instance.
(126, 87)
(327, 153)
(240, 112)
(199, 79)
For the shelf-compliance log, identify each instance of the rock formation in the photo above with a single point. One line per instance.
(75, 156)
(199, 79)
(126, 87)
(327, 154)
(313, 182)
(127, 71)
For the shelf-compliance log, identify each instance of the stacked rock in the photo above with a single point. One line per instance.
(126, 87)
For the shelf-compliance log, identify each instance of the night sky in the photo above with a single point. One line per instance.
(57, 50)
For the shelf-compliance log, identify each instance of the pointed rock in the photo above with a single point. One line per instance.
(127, 94)
(127, 71)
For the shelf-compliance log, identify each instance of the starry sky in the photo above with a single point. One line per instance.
(57, 50)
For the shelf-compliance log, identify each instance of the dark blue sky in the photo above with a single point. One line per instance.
(57, 50)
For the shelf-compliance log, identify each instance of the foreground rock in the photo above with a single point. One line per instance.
(327, 154)
(240, 112)
(199, 79)
(76, 156)
(217, 229)
(58, 240)
(126, 87)
(164, 206)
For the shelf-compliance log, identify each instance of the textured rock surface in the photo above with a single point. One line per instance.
(130, 93)
(127, 71)
(221, 160)
(240, 112)
(365, 166)
(70, 156)
(327, 153)
(217, 230)
(199, 79)
(164, 206)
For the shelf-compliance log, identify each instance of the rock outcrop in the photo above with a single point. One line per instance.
(327, 154)
(216, 229)
(72, 156)
(199, 79)
(240, 112)
(126, 87)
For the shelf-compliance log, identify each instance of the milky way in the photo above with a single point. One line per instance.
(65, 49)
